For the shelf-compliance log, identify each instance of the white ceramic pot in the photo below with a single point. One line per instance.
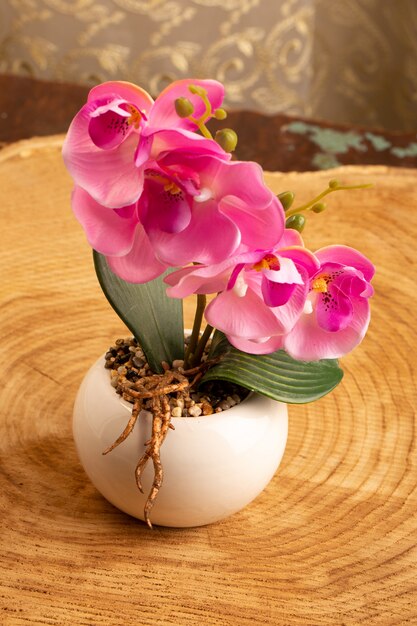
(213, 465)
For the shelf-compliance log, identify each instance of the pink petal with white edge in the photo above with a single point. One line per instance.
(124, 90)
(140, 264)
(205, 279)
(287, 314)
(163, 113)
(107, 231)
(109, 176)
(346, 256)
(186, 282)
(308, 342)
(301, 257)
(287, 274)
(272, 344)
(209, 238)
(246, 317)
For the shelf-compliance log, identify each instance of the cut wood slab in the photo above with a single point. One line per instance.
(332, 540)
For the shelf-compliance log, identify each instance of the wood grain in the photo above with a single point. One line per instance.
(331, 541)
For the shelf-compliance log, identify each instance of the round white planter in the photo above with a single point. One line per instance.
(213, 465)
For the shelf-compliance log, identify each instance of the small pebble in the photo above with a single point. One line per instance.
(138, 362)
(230, 401)
(194, 411)
(224, 405)
(177, 411)
(177, 363)
(207, 408)
(236, 398)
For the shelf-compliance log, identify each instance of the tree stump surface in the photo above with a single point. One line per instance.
(332, 539)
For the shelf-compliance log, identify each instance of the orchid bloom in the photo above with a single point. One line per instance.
(263, 293)
(113, 135)
(336, 313)
(201, 208)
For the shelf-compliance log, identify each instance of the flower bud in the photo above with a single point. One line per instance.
(286, 198)
(184, 107)
(220, 114)
(197, 91)
(227, 139)
(333, 183)
(319, 207)
(296, 222)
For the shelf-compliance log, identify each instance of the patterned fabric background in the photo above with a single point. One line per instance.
(346, 60)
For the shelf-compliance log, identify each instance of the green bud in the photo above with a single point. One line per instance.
(220, 114)
(196, 90)
(319, 207)
(184, 107)
(286, 198)
(333, 183)
(227, 139)
(296, 222)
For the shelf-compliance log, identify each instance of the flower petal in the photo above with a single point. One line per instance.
(164, 115)
(109, 176)
(259, 229)
(346, 256)
(271, 344)
(290, 237)
(308, 342)
(301, 257)
(243, 180)
(124, 90)
(108, 231)
(209, 238)
(334, 309)
(109, 126)
(246, 317)
(276, 294)
(160, 209)
(140, 265)
(287, 314)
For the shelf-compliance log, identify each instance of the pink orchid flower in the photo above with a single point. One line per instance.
(113, 135)
(201, 208)
(263, 295)
(336, 314)
(193, 208)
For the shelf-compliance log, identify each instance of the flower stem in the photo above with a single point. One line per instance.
(201, 305)
(202, 344)
(308, 205)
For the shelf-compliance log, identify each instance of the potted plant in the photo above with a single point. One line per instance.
(168, 214)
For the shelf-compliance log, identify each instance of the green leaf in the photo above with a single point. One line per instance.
(153, 318)
(275, 375)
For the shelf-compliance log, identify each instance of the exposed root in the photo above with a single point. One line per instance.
(157, 388)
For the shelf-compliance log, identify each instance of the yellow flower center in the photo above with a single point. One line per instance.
(320, 283)
(269, 262)
(172, 188)
(135, 117)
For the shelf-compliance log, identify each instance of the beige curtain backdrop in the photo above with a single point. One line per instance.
(352, 61)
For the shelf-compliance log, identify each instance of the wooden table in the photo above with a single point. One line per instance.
(331, 541)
